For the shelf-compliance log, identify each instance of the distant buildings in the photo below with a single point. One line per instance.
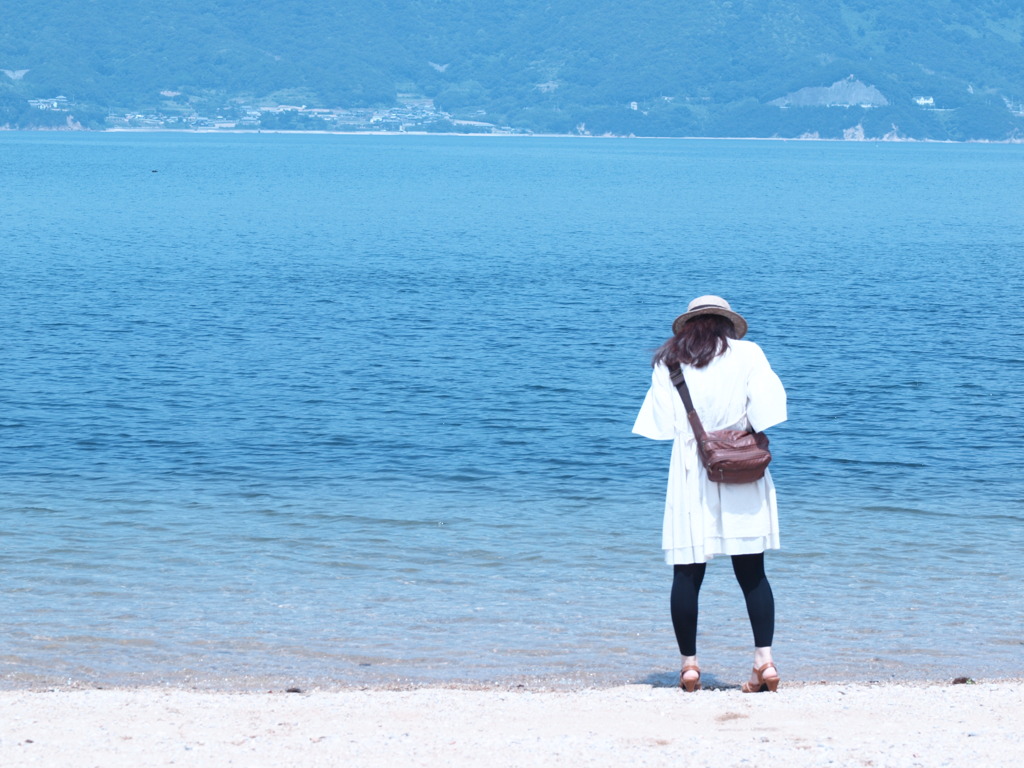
(56, 104)
(412, 113)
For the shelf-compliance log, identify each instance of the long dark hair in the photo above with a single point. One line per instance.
(698, 342)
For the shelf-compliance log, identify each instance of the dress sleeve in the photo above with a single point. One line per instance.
(656, 419)
(766, 398)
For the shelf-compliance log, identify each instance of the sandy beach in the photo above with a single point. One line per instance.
(807, 725)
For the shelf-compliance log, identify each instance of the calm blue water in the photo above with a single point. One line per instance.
(344, 410)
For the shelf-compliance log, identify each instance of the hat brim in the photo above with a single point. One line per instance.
(737, 320)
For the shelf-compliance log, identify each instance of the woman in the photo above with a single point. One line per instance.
(732, 387)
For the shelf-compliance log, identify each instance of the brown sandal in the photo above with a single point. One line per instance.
(690, 685)
(763, 684)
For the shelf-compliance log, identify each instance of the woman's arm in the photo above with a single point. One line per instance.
(656, 419)
(766, 397)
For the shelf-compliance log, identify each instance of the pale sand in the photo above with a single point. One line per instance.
(637, 725)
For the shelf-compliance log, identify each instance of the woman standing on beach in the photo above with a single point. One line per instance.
(732, 387)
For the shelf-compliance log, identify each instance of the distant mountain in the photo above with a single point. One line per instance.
(941, 69)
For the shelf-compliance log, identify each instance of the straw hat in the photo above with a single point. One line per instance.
(710, 305)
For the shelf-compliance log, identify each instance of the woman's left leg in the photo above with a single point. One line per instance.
(686, 581)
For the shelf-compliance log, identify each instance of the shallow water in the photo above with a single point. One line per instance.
(356, 409)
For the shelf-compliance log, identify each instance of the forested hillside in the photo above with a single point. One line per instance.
(941, 68)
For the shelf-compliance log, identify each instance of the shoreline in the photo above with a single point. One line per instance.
(805, 725)
(258, 132)
(280, 685)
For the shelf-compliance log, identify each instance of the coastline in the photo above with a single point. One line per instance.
(922, 724)
(239, 131)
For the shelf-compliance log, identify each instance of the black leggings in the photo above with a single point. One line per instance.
(749, 570)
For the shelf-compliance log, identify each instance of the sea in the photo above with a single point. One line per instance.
(327, 411)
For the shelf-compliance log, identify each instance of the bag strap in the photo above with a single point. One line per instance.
(676, 374)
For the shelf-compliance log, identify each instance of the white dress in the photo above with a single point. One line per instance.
(737, 390)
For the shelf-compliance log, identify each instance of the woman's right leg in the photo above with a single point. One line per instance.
(686, 581)
(749, 570)
(757, 592)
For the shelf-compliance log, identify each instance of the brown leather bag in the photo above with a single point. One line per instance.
(728, 455)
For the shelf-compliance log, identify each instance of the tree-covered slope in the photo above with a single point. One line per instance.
(689, 67)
